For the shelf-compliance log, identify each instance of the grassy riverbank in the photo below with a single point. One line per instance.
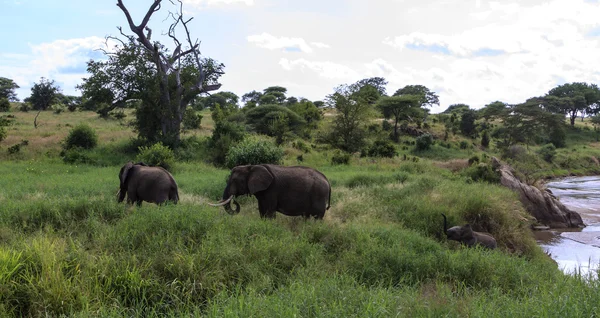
(67, 248)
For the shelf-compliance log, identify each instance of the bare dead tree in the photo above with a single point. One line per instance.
(172, 101)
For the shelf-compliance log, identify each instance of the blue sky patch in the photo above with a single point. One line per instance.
(429, 48)
(488, 52)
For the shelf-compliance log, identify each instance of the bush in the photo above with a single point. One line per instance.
(340, 158)
(224, 136)
(157, 155)
(82, 136)
(464, 144)
(301, 145)
(2, 133)
(485, 139)
(474, 159)
(14, 149)
(117, 114)
(58, 108)
(24, 107)
(547, 152)
(4, 104)
(191, 120)
(252, 151)
(482, 172)
(382, 148)
(424, 142)
(76, 155)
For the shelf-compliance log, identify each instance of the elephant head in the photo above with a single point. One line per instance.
(467, 236)
(242, 181)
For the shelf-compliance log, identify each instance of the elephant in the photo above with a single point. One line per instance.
(468, 237)
(292, 191)
(145, 183)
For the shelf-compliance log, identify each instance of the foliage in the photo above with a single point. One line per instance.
(424, 142)
(571, 98)
(191, 119)
(354, 109)
(482, 172)
(280, 128)
(340, 158)
(157, 155)
(76, 155)
(253, 151)
(3, 133)
(7, 89)
(467, 122)
(226, 100)
(225, 135)
(425, 96)
(547, 152)
(382, 148)
(309, 112)
(145, 70)
(43, 94)
(404, 107)
(485, 139)
(260, 119)
(82, 136)
(58, 108)
(4, 104)
(493, 110)
(456, 109)
(24, 107)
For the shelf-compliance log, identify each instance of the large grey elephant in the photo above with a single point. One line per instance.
(468, 237)
(144, 183)
(291, 191)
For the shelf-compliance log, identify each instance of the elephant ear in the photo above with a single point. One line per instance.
(124, 172)
(260, 179)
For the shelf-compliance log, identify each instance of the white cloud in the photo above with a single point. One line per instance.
(271, 42)
(329, 70)
(60, 60)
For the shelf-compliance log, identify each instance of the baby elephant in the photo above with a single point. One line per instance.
(144, 183)
(467, 236)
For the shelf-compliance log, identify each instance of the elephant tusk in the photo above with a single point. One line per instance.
(221, 203)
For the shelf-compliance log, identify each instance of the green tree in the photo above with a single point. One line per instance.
(405, 107)
(467, 122)
(259, 119)
(227, 100)
(427, 98)
(574, 98)
(354, 109)
(596, 122)
(273, 95)
(7, 89)
(251, 99)
(456, 109)
(166, 82)
(43, 94)
(308, 111)
(492, 110)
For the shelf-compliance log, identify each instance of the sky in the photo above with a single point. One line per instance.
(469, 51)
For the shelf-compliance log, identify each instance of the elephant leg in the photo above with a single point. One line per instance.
(266, 208)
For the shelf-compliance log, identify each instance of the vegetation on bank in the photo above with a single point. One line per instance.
(67, 247)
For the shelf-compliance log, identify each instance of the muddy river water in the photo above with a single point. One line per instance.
(576, 250)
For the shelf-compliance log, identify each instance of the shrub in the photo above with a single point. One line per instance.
(4, 104)
(485, 139)
(547, 152)
(252, 151)
(76, 155)
(191, 120)
(14, 149)
(82, 136)
(117, 114)
(482, 172)
(464, 144)
(24, 107)
(157, 155)
(2, 133)
(424, 142)
(224, 136)
(58, 108)
(382, 148)
(340, 158)
(301, 145)
(474, 159)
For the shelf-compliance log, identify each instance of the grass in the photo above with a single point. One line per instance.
(67, 248)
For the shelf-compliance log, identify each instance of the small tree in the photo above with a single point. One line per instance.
(43, 94)
(467, 122)
(405, 107)
(485, 139)
(7, 89)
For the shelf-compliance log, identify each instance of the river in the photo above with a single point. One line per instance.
(576, 250)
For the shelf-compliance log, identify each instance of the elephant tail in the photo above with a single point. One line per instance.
(329, 203)
(174, 196)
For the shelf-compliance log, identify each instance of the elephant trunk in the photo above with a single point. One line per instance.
(227, 206)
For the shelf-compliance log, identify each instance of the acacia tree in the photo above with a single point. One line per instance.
(166, 82)
(7, 89)
(573, 98)
(400, 108)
